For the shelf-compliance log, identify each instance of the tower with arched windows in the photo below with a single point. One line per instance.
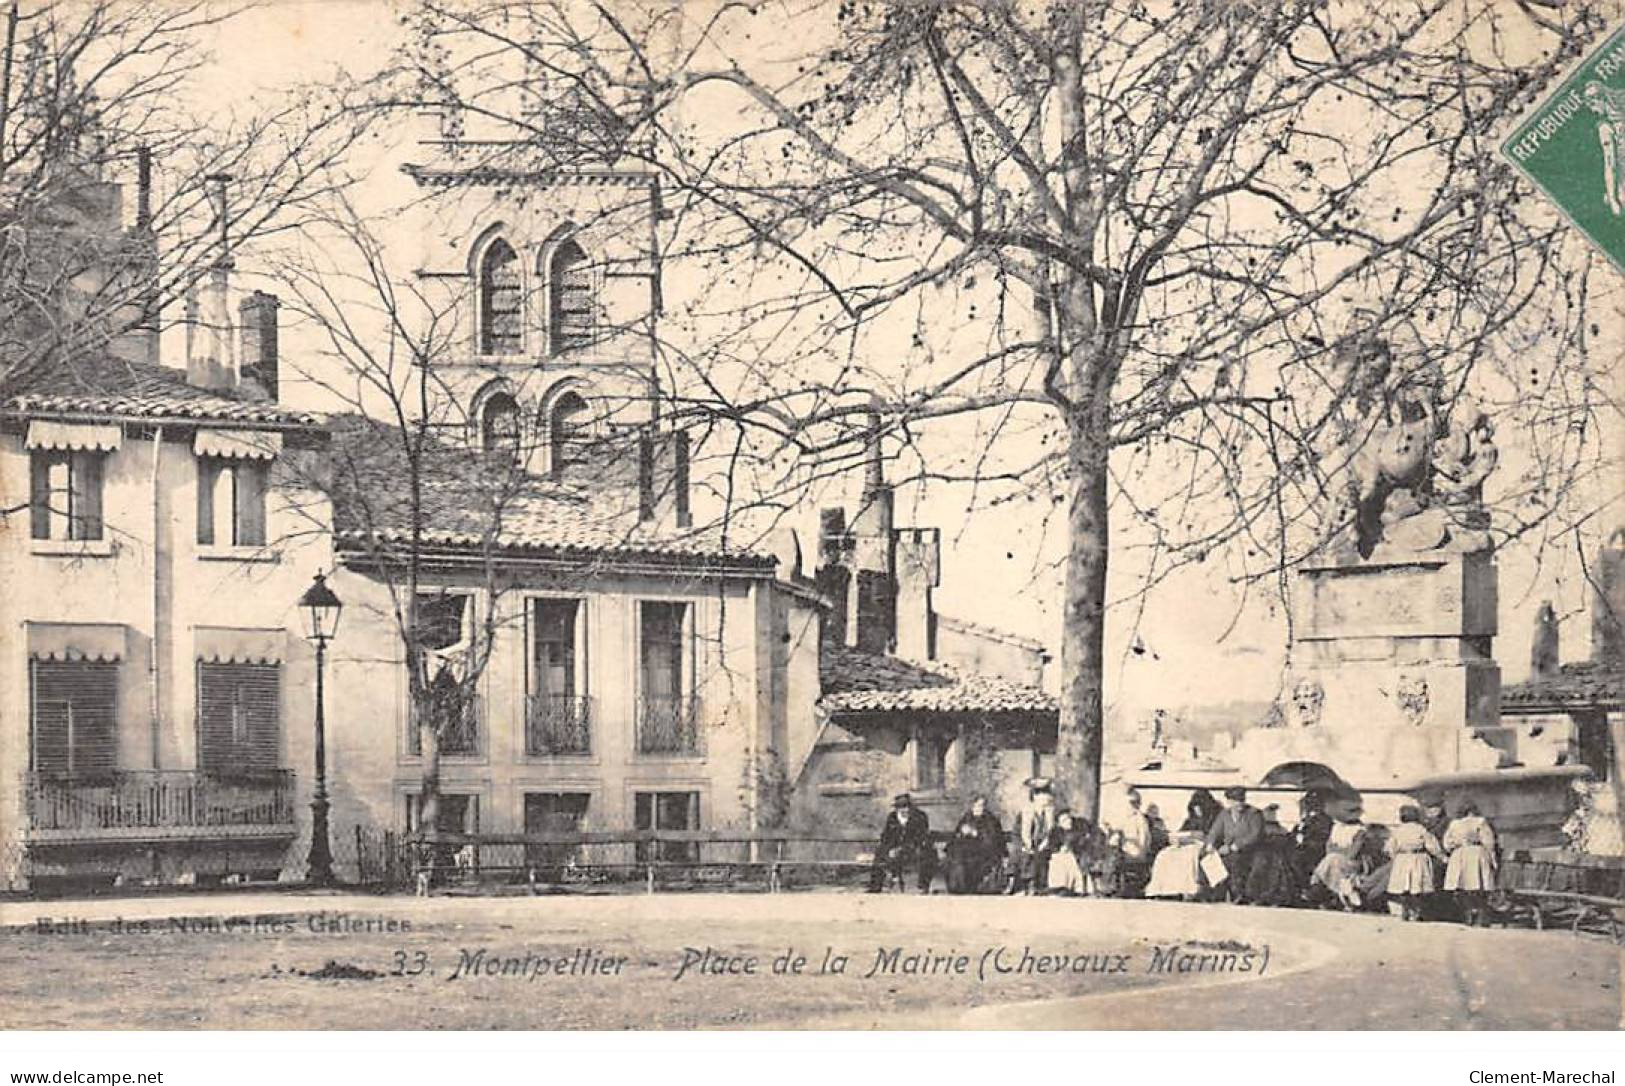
(547, 281)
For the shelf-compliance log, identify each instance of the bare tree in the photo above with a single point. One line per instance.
(99, 95)
(1177, 261)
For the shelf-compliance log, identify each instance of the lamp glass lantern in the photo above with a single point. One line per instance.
(321, 608)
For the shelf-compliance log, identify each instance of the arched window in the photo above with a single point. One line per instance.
(566, 432)
(499, 427)
(569, 297)
(501, 300)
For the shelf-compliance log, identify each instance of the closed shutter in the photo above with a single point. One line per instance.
(85, 479)
(208, 473)
(239, 717)
(249, 496)
(571, 301)
(75, 718)
(39, 469)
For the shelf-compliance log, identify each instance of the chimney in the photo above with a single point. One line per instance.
(873, 616)
(213, 362)
(258, 321)
(1608, 603)
(1544, 658)
(832, 576)
(919, 570)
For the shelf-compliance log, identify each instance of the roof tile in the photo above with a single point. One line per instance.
(865, 682)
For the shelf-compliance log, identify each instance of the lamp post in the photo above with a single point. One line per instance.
(321, 609)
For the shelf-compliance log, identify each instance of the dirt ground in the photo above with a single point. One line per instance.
(686, 961)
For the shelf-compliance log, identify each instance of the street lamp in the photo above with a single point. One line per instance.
(321, 609)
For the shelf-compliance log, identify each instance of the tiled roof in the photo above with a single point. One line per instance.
(864, 682)
(111, 386)
(467, 502)
(1592, 683)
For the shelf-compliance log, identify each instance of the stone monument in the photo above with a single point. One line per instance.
(1393, 688)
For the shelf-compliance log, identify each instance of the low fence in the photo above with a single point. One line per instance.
(656, 859)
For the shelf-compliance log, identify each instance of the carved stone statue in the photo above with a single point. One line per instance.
(1308, 700)
(1412, 698)
(1412, 481)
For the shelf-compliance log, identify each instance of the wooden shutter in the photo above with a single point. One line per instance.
(208, 471)
(571, 302)
(75, 717)
(501, 300)
(85, 497)
(39, 491)
(248, 504)
(239, 717)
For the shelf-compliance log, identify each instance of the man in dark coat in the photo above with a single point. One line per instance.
(905, 840)
(1234, 835)
(976, 851)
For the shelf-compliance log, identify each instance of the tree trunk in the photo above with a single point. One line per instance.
(429, 798)
(1083, 634)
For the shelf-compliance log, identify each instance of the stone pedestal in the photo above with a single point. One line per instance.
(1393, 675)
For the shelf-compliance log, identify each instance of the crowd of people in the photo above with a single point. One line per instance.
(1433, 864)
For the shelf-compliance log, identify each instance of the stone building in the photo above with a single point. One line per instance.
(155, 546)
(912, 701)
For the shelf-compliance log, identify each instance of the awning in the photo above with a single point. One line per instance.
(238, 444)
(75, 641)
(238, 645)
(72, 435)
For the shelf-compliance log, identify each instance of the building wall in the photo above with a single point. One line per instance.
(990, 652)
(149, 575)
(750, 683)
(611, 218)
(856, 770)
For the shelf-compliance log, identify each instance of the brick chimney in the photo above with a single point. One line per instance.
(919, 569)
(258, 315)
(1608, 603)
(211, 360)
(1544, 656)
(873, 602)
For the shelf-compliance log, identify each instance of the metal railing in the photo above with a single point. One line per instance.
(558, 724)
(669, 726)
(163, 799)
(461, 738)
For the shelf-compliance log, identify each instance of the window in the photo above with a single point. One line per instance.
(74, 717)
(1596, 745)
(501, 300)
(231, 502)
(499, 428)
(667, 811)
(931, 761)
(667, 720)
(566, 431)
(65, 498)
(559, 720)
(442, 633)
(554, 812)
(569, 297)
(239, 717)
(458, 813)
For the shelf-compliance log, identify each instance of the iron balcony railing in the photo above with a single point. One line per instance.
(669, 726)
(558, 724)
(462, 737)
(129, 801)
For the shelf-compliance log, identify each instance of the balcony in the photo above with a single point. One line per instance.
(669, 726)
(164, 804)
(558, 724)
(461, 739)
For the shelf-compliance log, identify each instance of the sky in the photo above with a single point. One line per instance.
(1197, 639)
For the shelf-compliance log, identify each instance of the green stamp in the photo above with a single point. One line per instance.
(1573, 147)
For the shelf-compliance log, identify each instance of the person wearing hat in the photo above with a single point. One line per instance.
(1034, 826)
(1233, 836)
(1272, 879)
(905, 840)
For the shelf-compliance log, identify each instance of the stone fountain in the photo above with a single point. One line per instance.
(1393, 689)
